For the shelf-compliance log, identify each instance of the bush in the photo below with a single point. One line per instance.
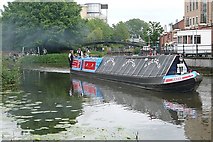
(137, 50)
(10, 75)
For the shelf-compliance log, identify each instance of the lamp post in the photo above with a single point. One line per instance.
(196, 40)
(212, 37)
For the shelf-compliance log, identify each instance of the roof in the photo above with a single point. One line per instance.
(138, 66)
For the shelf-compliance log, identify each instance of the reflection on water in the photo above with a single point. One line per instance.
(44, 107)
(53, 103)
(174, 108)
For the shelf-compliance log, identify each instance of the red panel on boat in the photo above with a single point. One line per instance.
(76, 64)
(89, 65)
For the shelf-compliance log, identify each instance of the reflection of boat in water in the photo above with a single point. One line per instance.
(155, 104)
(85, 89)
(160, 73)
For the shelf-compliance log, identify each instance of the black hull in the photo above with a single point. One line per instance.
(154, 83)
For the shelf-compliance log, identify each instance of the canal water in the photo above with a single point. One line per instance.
(60, 106)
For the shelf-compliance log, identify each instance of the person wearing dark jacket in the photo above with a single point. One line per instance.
(71, 57)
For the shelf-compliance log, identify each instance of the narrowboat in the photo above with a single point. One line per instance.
(159, 73)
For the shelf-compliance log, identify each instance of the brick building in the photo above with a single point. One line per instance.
(169, 39)
(198, 13)
(198, 18)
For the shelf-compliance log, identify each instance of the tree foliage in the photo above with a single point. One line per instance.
(120, 32)
(98, 30)
(45, 24)
(137, 27)
(154, 31)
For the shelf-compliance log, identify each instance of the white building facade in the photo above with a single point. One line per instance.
(194, 42)
(94, 10)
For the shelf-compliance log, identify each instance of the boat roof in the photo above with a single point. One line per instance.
(138, 66)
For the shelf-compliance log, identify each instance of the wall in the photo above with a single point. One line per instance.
(207, 63)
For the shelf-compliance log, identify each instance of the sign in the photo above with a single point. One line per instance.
(89, 65)
(76, 64)
(104, 6)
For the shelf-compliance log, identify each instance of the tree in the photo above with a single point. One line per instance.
(50, 25)
(95, 35)
(121, 32)
(137, 27)
(98, 30)
(153, 33)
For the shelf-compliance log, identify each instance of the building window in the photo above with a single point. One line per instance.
(193, 5)
(184, 39)
(190, 22)
(196, 4)
(193, 21)
(196, 20)
(190, 6)
(197, 39)
(190, 39)
(187, 8)
(187, 21)
(203, 16)
(179, 39)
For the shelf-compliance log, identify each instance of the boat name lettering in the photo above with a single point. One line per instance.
(177, 78)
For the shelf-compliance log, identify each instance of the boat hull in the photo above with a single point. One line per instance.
(159, 73)
(150, 83)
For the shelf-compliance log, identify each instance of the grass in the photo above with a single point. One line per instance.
(56, 60)
(53, 60)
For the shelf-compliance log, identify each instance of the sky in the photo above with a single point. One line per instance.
(163, 11)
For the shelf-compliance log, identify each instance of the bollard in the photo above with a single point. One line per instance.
(196, 50)
(183, 51)
(212, 50)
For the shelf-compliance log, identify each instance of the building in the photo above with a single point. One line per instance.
(198, 13)
(193, 34)
(94, 10)
(169, 39)
(194, 42)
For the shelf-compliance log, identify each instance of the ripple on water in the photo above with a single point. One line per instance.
(12, 97)
(37, 120)
(74, 110)
(58, 105)
(25, 107)
(37, 107)
(37, 112)
(42, 128)
(58, 118)
(65, 119)
(38, 102)
(62, 126)
(32, 104)
(49, 120)
(64, 122)
(24, 116)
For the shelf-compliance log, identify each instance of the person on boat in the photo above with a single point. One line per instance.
(85, 54)
(71, 57)
(80, 53)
